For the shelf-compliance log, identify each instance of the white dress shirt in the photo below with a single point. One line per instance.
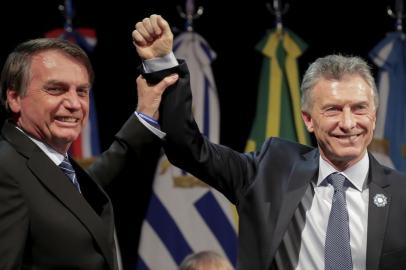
(53, 155)
(317, 204)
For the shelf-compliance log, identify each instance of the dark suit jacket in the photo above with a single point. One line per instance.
(45, 223)
(267, 186)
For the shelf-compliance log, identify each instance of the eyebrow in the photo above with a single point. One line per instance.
(340, 105)
(57, 82)
(360, 103)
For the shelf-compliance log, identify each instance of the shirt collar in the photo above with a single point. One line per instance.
(55, 156)
(356, 174)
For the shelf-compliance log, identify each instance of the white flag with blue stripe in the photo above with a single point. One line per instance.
(390, 132)
(185, 215)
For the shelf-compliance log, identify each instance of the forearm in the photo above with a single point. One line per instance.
(220, 167)
(137, 142)
(134, 145)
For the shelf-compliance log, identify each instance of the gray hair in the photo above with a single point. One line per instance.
(16, 71)
(334, 67)
(205, 260)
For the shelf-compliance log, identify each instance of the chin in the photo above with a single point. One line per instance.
(348, 156)
(67, 138)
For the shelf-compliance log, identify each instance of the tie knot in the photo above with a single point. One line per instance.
(66, 166)
(68, 170)
(337, 180)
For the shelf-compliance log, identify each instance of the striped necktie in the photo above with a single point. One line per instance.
(67, 169)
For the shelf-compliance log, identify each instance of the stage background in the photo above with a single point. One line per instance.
(232, 28)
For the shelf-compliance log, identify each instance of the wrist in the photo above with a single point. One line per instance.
(150, 119)
(148, 116)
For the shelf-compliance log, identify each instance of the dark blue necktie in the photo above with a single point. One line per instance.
(337, 253)
(67, 168)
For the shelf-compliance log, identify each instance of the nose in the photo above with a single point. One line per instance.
(347, 119)
(72, 100)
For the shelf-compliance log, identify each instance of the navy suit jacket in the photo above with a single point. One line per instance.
(45, 223)
(268, 185)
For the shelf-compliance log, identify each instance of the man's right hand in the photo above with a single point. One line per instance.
(149, 96)
(152, 37)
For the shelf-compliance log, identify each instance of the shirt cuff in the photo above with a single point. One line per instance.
(150, 120)
(143, 119)
(160, 63)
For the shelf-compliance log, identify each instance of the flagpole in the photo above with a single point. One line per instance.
(277, 10)
(398, 14)
(190, 15)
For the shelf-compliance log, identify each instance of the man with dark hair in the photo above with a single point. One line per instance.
(53, 214)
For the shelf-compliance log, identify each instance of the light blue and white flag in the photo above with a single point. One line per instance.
(185, 215)
(390, 133)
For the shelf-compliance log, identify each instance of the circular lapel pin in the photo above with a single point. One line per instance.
(380, 200)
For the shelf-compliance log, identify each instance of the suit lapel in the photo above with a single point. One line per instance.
(301, 175)
(58, 185)
(377, 215)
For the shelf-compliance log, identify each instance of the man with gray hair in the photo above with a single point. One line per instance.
(330, 207)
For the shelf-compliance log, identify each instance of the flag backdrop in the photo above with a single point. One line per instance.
(184, 214)
(390, 132)
(87, 145)
(278, 104)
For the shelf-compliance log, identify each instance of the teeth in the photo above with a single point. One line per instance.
(348, 137)
(68, 119)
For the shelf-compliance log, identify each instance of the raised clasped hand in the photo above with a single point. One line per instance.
(152, 37)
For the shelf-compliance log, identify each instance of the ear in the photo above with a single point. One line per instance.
(13, 101)
(374, 120)
(307, 119)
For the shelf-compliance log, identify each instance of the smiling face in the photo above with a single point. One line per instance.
(342, 117)
(55, 107)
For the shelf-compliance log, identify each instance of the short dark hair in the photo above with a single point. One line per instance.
(16, 70)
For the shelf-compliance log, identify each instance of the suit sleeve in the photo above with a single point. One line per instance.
(226, 170)
(134, 145)
(13, 223)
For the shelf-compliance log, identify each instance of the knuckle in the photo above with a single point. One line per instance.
(138, 25)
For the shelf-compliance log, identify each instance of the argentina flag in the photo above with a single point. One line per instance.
(389, 143)
(185, 215)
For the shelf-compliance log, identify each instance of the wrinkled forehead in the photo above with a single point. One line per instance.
(348, 87)
(56, 61)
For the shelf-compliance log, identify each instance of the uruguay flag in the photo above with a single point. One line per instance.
(185, 215)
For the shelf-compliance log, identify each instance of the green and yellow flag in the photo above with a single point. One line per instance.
(278, 106)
